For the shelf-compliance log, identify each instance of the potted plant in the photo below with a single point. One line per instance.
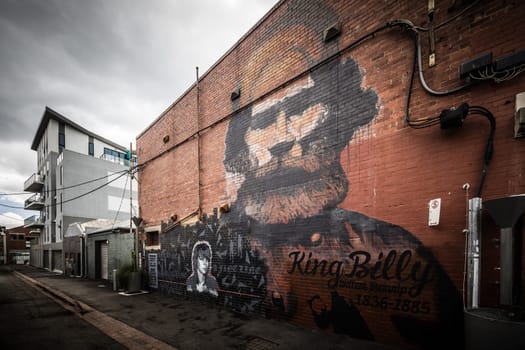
(135, 278)
(123, 276)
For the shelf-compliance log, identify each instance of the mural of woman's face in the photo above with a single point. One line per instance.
(203, 264)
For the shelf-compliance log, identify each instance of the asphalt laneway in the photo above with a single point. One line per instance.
(31, 320)
(144, 321)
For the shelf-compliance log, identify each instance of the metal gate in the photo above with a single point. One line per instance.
(56, 261)
(46, 259)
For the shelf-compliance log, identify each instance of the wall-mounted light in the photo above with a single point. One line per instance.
(166, 138)
(236, 93)
(331, 32)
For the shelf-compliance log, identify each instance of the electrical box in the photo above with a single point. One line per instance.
(510, 61)
(475, 65)
(519, 116)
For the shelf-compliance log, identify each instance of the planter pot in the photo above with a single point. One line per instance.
(134, 282)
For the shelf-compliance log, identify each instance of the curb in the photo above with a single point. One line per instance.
(126, 335)
(78, 306)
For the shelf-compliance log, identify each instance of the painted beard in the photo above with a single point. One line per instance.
(280, 194)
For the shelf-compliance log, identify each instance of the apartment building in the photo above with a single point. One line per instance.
(80, 177)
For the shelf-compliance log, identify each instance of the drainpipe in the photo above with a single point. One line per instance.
(199, 209)
(85, 259)
(81, 242)
(473, 252)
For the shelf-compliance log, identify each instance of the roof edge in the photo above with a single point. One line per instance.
(52, 114)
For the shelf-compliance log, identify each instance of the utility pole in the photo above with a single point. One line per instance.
(135, 238)
(4, 244)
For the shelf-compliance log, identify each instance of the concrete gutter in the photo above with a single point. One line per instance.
(128, 336)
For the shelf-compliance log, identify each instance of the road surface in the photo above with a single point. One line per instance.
(29, 319)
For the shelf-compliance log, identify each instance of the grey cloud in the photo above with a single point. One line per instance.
(111, 66)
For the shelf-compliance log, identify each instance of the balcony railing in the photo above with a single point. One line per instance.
(35, 231)
(33, 221)
(114, 159)
(119, 160)
(35, 202)
(34, 183)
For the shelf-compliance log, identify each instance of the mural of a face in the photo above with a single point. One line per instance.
(285, 181)
(203, 264)
(201, 256)
(201, 280)
(286, 148)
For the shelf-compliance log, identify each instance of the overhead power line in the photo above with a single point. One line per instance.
(15, 193)
(89, 192)
(122, 173)
(120, 205)
(10, 217)
(67, 187)
(11, 206)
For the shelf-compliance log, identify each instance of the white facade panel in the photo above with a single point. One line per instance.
(52, 136)
(76, 141)
(119, 182)
(120, 204)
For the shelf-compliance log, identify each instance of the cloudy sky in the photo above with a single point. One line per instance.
(112, 66)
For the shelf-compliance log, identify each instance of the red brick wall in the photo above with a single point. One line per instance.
(393, 170)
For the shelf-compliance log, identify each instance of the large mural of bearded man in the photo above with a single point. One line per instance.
(286, 183)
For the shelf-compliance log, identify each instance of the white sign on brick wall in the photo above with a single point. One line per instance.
(434, 209)
(152, 270)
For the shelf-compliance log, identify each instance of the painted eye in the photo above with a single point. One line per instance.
(264, 119)
(305, 123)
(295, 108)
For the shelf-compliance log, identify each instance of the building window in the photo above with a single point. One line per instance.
(116, 156)
(91, 146)
(152, 238)
(61, 137)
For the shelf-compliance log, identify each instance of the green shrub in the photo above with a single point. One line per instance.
(123, 275)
